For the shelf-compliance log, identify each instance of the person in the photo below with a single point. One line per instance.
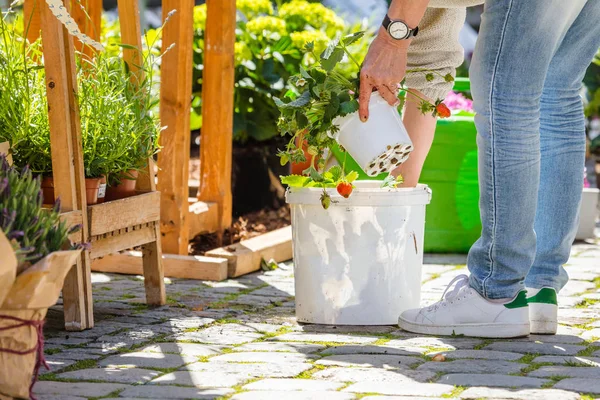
(526, 77)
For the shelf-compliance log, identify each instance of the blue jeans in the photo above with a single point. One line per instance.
(527, 74)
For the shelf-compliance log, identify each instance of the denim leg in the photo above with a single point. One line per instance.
(517, 42)
(562, 133)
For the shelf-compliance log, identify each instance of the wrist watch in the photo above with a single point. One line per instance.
(399, 30)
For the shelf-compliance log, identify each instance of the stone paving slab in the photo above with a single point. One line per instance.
(580, 385)
(173, 392)
(145, 359)
(522, 394)
(288, 370)
(593, 361)
(292, 396)
(188, 349)
(340, 374)
(401, 388)
(204, 379)
(305, 385)
(537, 348)
(473, 366)
(571, 372)
(116, 375)
(281, 347)
(84, 389)
(492, 380)
(332, 338)
(244, 343)
(370, 360)
(261, 357)
(480, 354)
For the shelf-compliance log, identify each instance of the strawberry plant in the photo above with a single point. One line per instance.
(318, 95)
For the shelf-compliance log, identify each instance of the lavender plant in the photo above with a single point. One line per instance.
(34, 232)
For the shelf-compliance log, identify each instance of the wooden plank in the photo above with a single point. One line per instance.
(88, 16)
(203, 218)
(32, 19)
(118, 214)
(154, 275)
(112, 244)
(175, 98)
(176, 266)
(67, 158)
(217, 108)
(246, 256)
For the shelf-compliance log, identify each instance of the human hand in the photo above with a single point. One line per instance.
(383, 69)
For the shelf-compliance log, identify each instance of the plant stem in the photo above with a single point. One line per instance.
(350, 55)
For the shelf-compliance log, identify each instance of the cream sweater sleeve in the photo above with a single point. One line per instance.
(436, 47)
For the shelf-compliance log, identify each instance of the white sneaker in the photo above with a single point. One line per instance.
(543, 310)
(463, 311)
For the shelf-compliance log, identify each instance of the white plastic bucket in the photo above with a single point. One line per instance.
(379, 145)
(360, 261)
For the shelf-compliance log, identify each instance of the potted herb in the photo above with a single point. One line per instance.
(35, 257)
(358, 245)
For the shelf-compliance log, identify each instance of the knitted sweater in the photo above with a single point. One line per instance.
(436, 47)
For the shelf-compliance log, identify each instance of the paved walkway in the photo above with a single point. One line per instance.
(239, 340)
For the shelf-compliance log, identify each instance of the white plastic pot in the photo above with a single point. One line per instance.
(359, 262)
(588, 213)
(379, 145)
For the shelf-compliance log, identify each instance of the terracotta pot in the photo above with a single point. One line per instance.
(102, 190)
(48, 190)
(92, 185)
(124, 189)
(298, 168)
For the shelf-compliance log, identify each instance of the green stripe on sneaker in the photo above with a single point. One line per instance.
(544, 296)
(519, 301)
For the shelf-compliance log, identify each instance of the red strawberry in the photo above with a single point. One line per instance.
(443, 111)
(344, 189)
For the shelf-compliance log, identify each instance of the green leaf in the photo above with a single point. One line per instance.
(331, 47)
(300, 102)
(127, 46)
(301, 120)
(294, 180)
(348, 107)
(332, 60)
(315, 175)
(336, 173)
(349, 39)
(332, 108)
(305, 74)
(351, 176)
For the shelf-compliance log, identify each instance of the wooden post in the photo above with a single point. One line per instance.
(32, 18)
(67, 159)
(175, 99)
(129, 19)
(89, 21)
(217, 108)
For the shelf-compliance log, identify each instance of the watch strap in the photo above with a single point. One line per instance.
(387, 21)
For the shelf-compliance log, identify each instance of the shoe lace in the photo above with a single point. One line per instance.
(460, 282)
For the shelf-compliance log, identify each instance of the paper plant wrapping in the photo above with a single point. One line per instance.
(24, 300)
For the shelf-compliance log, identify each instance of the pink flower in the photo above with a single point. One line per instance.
(458, 102)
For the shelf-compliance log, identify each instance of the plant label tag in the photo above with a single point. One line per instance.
(5, 149)
(102, 191)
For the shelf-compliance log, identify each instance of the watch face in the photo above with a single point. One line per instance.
(398, 30)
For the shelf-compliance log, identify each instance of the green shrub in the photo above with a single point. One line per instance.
(268, 51)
